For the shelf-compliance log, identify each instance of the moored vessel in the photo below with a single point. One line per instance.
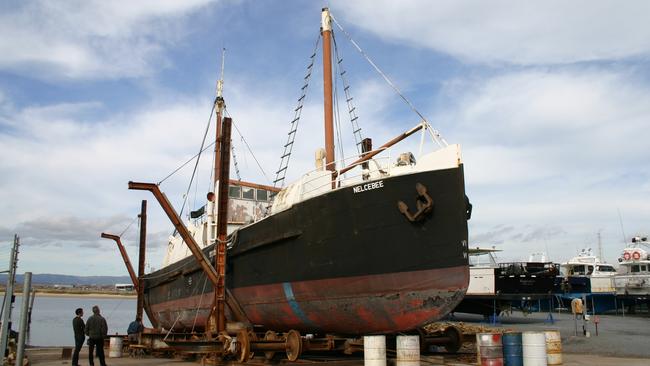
(633, 276)
(357, 246)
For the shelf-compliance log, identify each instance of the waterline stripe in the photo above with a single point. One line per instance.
(288, 293)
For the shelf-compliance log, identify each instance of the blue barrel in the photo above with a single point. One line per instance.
(512, 349)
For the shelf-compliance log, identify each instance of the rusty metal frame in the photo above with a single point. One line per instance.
(198, 254)
(125, 257)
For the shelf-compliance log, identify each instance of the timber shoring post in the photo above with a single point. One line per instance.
(125, 257)
(141, 258)
(222, 222)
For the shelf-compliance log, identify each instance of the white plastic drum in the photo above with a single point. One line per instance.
(553, 347)
(534, 348)
(408, 351)
(374, 350)
(115, 347)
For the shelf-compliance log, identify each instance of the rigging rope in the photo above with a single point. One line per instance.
(205, 135)
(356, 130)
(128, 226)
(435, 132)
(249, 149)
(337, 120)
(281, 173)
(184, 164)
(196, 314)
(234, 159)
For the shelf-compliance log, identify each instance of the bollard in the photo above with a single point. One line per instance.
(374, 350)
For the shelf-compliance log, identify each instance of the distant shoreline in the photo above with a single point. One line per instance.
(101, 295)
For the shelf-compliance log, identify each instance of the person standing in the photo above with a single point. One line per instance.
(79, 336)
(96, 330)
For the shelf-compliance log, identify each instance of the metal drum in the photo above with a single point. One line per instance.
(374, 350)
(512, 349)
(408, 351)
(115, 347)
(553, 347)
(489, 349)
(534, 348)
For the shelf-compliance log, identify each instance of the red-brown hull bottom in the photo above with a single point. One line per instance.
(384, 303)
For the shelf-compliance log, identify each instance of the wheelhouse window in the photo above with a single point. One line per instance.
(606, 269)
(635, 269)
(577, 270)
(643, 268)
(248, 193)
(262, 195)
(234, 192)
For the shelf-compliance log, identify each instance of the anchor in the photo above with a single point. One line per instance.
(423, 203)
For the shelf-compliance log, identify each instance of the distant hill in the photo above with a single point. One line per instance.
(56, 279)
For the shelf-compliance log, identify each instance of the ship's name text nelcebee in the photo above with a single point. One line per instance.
(368, 186)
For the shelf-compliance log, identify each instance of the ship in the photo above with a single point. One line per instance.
(372, 245)
(496, 287)
(587, 277)
(633, 277)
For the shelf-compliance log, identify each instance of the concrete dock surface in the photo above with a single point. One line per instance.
(620, 341)
(51, 357)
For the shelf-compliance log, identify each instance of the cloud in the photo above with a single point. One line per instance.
(90, 39)
(524, 33)
(578, 125)
(552, 154)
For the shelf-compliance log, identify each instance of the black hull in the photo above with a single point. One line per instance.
(284, 266)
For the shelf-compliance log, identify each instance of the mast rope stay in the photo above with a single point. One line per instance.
(248, 147)
(437, 136)
(281, 173)
(356, 130)
(128, 226)
(337, 118)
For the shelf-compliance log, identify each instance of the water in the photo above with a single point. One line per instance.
(52, 317)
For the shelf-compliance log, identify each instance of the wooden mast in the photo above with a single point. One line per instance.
(326, 32)
(219, 105)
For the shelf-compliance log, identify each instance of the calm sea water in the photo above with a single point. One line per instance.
(52, 317)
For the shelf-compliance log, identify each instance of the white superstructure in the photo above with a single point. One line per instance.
(633, 277)
(585, 264)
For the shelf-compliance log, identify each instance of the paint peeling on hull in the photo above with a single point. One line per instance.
(358, 305)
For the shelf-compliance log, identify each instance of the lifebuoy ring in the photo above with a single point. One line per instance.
(626, 256)
(636, 255)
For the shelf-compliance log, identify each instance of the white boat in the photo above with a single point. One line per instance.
(586, 273)
(633, 277)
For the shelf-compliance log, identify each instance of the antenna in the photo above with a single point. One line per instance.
(620, 219)
(600, 247)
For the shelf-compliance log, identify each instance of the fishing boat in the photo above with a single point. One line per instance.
(368, 244)
(633, 275)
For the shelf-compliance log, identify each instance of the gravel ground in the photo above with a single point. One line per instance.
(618, 336)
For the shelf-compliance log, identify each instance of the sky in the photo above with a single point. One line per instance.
(549, 100)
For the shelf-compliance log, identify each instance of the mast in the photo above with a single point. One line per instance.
(219, 105)
(326, 31)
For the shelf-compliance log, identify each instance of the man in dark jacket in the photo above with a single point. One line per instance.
(96, 330)
(79, 337)
(135, 328)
